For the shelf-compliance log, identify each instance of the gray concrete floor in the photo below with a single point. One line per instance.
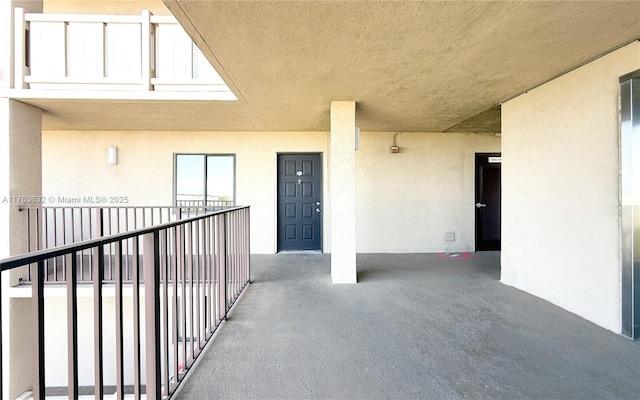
(417, 326)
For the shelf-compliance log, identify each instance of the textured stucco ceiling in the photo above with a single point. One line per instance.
(411, 66)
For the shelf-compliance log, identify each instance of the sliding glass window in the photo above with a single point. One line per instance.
(204, 180)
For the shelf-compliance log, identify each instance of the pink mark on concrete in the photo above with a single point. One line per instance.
(454, 256)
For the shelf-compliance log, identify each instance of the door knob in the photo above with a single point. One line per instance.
(480, 205)
(317, 210)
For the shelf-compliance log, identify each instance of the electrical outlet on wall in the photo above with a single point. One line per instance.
(450, 236)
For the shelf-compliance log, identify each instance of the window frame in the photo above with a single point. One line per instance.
(205, 175)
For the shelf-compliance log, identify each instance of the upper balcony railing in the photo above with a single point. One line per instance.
(110, 52)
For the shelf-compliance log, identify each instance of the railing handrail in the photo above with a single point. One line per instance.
(41, 255)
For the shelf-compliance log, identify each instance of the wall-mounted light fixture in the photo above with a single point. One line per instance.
(113, 155)
(395, 148)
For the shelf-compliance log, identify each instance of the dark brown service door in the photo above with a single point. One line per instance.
(487, 204)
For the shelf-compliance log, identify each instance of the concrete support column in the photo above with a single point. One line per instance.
(343, 192)
(20, 176)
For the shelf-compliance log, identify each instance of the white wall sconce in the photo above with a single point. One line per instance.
(395, 148)
(113, 155)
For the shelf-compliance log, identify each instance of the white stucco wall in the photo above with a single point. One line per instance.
(404, 202)
(560, 196)
(76, 165)
(56, 341)
(20, 163)
(407, 201)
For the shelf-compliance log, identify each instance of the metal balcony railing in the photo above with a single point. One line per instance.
(191, 207)
(49, 227)
(185, 277)
(110, 53)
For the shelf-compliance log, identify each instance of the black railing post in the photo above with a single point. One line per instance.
(119, 334)
(37, 299)
(151, 265)
(1, 335)
(222, 265)
(248, 211)
(164, 254)
(181, 251)
(100, 222)
(72, 325)
(135, 274)
(98, 277)
(174, 302)
(248, 233)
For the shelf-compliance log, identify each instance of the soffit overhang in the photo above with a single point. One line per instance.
(410, 66)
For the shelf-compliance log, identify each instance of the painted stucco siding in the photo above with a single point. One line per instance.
(404, 202)
(75, 164)
(56, 360)
(560, 196)
(20, 144)
(407, 201)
